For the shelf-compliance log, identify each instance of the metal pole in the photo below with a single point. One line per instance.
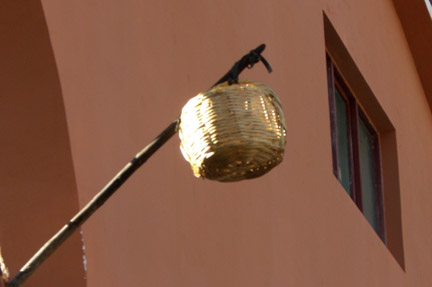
(51, 245)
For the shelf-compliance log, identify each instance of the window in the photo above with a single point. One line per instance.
(377, 127)
(356, 150)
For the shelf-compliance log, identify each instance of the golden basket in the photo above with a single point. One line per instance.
(233, 132)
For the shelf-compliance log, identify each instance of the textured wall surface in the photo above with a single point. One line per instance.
(118, 72)
(37, 184)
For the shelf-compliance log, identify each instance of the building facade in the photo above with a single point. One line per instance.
(86, 85)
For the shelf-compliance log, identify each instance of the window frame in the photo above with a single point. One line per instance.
(355, 113)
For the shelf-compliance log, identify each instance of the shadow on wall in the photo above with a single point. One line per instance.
(37, 184)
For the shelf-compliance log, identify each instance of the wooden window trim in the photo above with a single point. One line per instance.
(354, 114)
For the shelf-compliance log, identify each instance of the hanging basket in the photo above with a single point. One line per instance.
(233, 132)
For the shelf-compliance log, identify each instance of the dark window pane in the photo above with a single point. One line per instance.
(368, 175)
(344, 174)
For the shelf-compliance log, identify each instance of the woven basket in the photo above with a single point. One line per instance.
(233, 132)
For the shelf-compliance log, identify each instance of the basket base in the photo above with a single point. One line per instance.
(234, 164)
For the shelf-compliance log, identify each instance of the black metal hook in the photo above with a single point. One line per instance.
(247, 61)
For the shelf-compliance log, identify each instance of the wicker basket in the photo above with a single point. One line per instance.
(233, 132)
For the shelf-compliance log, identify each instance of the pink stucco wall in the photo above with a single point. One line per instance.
(37, 184)
(123, 70)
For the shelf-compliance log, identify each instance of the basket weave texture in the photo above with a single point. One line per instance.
(233, 132)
